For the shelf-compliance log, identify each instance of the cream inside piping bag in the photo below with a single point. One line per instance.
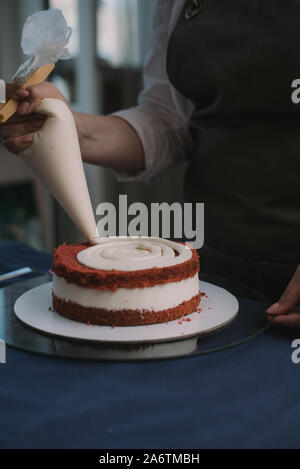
(55, 158)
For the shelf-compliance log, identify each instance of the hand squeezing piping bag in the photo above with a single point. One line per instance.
(55, 158)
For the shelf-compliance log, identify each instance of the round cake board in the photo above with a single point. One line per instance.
(218, 307)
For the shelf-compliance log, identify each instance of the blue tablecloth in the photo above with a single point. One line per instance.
(244, 397)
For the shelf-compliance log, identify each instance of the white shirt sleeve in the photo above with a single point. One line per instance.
(2, 92)
(161, 116)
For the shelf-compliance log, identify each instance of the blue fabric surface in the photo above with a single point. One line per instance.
(244, 397)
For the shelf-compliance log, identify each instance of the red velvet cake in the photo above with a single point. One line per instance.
(125, 281)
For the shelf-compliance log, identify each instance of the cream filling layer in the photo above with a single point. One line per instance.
(157, 298)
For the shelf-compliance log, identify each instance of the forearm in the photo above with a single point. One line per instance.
(109, 141)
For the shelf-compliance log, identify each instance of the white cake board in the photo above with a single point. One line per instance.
(218, 308)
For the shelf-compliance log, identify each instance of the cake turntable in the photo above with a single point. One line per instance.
(34, 328)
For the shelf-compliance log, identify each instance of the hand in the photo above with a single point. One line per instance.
(15, 92)
(35, 94)
(17, 131)
(285, 312)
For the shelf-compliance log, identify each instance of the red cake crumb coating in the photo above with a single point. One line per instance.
(126, 317)
(65, 265)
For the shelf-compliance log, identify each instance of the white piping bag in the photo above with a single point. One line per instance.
(55, 158)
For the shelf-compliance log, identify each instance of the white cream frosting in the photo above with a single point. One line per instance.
(156, 298)
(55, 158)
(133, 253)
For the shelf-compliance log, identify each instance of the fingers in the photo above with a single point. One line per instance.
(36, 94)
(32, 96)
(285, 312)
(22, 128)
(15, 119)
(29, 106)
(289, 298)
(288, 320)
(18, 144)
(14, 91)
(44, 90)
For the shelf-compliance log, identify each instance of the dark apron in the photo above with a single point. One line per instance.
(236, 61)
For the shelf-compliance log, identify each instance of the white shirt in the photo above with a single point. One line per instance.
(162, 114)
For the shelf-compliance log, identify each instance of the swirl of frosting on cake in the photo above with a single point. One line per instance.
(133, 253)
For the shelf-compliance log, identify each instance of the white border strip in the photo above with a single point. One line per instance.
(2, 92)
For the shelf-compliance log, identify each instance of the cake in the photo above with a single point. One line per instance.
(125, 281)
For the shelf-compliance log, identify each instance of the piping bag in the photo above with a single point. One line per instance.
(55, 158)
(54, 155)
